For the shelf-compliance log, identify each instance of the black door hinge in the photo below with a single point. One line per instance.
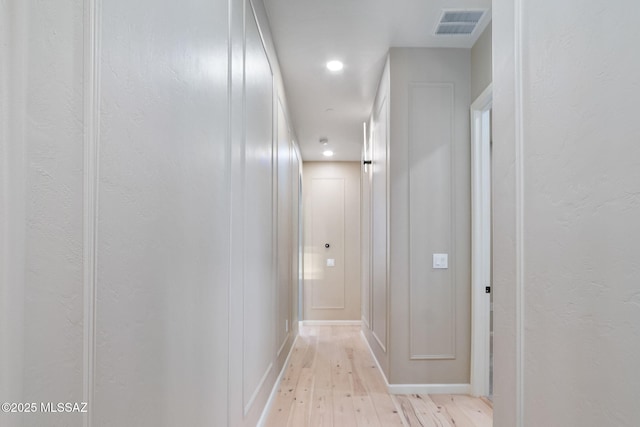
(487, 289)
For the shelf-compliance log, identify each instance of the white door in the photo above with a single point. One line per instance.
(332, 241)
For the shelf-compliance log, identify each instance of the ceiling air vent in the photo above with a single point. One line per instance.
(458, 22)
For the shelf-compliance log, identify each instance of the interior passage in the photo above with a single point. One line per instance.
(332, 380)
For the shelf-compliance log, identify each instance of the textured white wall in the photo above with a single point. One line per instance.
(42, 181)
(163, 260)
(185, 179)
(481, 64)
(567, 176)
(12, 206)
(259, 282)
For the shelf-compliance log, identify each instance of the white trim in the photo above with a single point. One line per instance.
(13, 165)
(387, 201)
(258, 389)
(365, 322)
(429, 388)
(484, 99)
(480, 243)
(382, 346)
(375, 359)
(330, 323)
(274, 391)
(92, 20)
(284, 343)
(520, 216)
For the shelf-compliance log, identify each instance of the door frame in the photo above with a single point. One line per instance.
(480, 242)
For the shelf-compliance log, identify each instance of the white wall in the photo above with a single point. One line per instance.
(429, 196)
(162, 268)
(42, 205)
(420, 191)
(567, 179)
(481, 64)
(139, 214)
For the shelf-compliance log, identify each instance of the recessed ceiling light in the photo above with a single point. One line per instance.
(335, 65)
(324, 141)
(327, 153)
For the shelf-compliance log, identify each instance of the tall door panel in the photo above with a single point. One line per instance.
(327, 243)
(259, 335)
(162, 221)
(431, 191)
(365, 198)
(296, 223)
(41, 207)
(332, 241)
(285, 252)
(379, 227)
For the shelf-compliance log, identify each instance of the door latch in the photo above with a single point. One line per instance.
(487, 289)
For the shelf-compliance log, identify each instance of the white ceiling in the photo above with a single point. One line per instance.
(309, 33)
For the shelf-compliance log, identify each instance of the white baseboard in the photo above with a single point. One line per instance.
(274, 390)
(418, 388)
(429, 388)
(330, 322)
(375, 359)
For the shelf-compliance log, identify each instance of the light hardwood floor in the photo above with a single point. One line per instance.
(332, 380)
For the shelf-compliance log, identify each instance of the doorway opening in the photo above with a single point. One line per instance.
(481, 247)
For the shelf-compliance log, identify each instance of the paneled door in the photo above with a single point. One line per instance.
(332, 244)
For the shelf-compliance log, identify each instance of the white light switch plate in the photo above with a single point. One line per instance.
(440, 260)
(331, 262)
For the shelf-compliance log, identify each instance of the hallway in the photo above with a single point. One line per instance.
(332, 380)
(159, 243)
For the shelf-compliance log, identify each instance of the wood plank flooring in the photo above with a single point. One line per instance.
(332, 380)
